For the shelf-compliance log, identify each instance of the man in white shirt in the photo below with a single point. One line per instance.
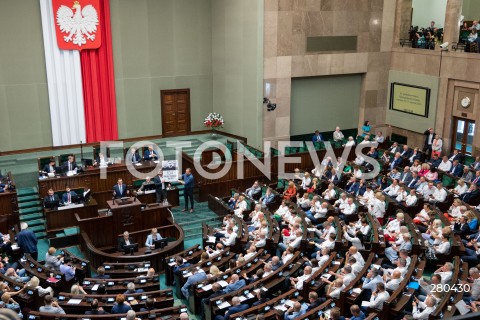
(261, 241)
(393, 282)
(428, 307)
(230, 238)
(371, 280)
(348, 209)
(392, 190)
(446, 272)
(353, 252)
(295, 243)
(445, 165)
(428, 190)
(411, 199)
(379, 296)
(338, 135)
(345, 274)
(298, 282)
(439, 195)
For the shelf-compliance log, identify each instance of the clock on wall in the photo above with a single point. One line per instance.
(465, 102)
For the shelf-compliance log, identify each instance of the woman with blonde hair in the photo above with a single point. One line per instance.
(76, 289)
(437, 145)
(214, 271)
(472, 220)
(291, 191)
(454, 211)
(416, 166)
(204, 257)
(34, 283)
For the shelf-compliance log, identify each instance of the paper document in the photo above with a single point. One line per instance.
(462, 307)
(366, 304)
(223, 283)
(211, 239)
(95, 287)
(74, 301)
(208, 287)
(224, 305)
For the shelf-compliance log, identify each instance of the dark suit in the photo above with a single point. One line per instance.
(133, 157)
(417, 156)
(461, 229)
(47, 168)
(122, 244)
(412, 183)
(352, 187)
(259, 302)
(457, 170)
(406, 154)
(471, 198)
(427, 146)
(233, 310)
(458, 157)
(394, 150)
(406, 177)
(65, 196)
(96, 312)
(160, 188)
(314, 304)
(395, 163)
(119, 193)
(150, 155)
(434, 163)
(53, 198)
(67, 166)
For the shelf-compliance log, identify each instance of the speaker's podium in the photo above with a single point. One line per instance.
(126, 212)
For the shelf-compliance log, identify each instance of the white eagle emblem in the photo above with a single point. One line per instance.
(78, 25)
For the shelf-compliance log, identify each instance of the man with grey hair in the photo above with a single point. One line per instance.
(131, 289)
(338, 135)
(235, 308)
(446, 272)
(183, 316)
(428, 307)
(27, 241)
(475, 286)
(131, 315)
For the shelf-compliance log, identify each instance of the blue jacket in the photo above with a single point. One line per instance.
(235, 309)
(235, 286)
(27, 241)
(151, 155)
(119, 194)
(133, 157)
(457, 170)
(395, 163)
(361, 316)
(199, 276)
(352, 188)
(189, 180)
(65, 196)
(316, 138)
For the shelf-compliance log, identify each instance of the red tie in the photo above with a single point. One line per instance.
(69, 198)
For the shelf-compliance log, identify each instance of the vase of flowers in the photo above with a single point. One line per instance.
(214, 121)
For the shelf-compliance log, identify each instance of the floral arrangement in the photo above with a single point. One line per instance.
(213, 120)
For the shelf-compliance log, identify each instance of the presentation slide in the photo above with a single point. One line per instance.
(410, 99)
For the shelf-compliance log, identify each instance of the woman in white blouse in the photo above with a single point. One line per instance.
(460, 189)
(356, 240)
(416, 166)
(240, 206)
(306, 181)
(434, 232)
(437, 145)
(455, 211)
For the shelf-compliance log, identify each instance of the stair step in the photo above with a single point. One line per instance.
(37, 222)
(26, 191)
(29, 204)
(41, 235)
(31, 210)
(29, 198)
(37, 229)
(32, 216)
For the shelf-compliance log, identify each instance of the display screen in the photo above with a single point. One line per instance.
(410, 99)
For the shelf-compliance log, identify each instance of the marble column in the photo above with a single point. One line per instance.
(452, 20)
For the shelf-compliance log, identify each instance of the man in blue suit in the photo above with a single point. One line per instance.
(151, 154)
(235, 308)
(397, 160)
(197, 275)
(457, 169)
(267, 198)
(120, 189)
(68, 195)
(352, 186)
(133, 156)
(234, 284)
(406, 152)
(317, 137)
(180, 264)
(27, 241)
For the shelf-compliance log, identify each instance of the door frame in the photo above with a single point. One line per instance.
(465, 136)
(170, 91)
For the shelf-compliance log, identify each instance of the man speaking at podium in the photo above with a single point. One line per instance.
(120, 190)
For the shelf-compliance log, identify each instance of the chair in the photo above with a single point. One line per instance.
(96, 151)
(64, 158)
(42, 162)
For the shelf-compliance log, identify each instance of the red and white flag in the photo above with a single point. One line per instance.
(77, 24)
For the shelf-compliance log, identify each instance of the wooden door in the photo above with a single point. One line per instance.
(175, 112)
